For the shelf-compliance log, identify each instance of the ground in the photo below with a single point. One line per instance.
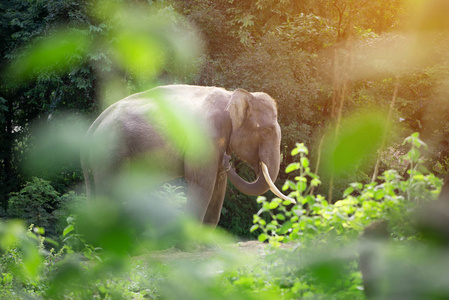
(247, 248)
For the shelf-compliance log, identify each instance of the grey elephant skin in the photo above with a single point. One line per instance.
(236, 122)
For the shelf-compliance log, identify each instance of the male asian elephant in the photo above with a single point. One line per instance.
(236, 122)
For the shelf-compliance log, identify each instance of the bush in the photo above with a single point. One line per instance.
(67, 204)
(326, 251)
(393, 199)
(236, 215)
(34, 203)
(38, 203)
(238, 208)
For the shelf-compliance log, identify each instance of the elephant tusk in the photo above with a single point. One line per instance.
(273, 188)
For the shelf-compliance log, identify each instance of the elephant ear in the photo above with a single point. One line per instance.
(238, 106)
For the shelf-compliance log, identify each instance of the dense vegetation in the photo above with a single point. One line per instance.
(325, 257)
(350, 78)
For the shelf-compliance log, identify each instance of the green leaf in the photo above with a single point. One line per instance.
(67, 230)
(302, 148)
(32, 260)
(10, 233)
(357, 139)
(301, 186)
(271, 227)
(254, 228)
(261, 199)
(55, 53)
(273, 205)
(292, 185)
(379, 194)
(304, 162)
(301, 179)
(295, 151)
(419, 177)
(348, 191)
(414, 154)
(39, 230)
(286, 203)
(51, 241)
(315, 182)
(285, 227)
(357, 185)
(288, 184)
(309, 199)
(262, 237)
(292, 167)
(139, 53)
(181, 128)
(280, 217)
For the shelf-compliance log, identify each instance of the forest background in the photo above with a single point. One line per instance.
(321, 60)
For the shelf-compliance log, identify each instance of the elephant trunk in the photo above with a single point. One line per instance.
(257, 187)
(262, 184)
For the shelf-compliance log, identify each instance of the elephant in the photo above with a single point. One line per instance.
(237, 122)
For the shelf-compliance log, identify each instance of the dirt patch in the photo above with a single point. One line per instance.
(248, 248)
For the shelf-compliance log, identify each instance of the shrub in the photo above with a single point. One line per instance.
(392, 199)
(238, 208)
(34, 203)
(67, 204)
(38, 203)
(236, 215)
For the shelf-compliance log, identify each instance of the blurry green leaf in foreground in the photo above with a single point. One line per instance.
(13, 235)
(149, 38)
(358, 138)
(182, 128)
(141, 54)
(57, 144)
(10, 233)
(144, 223)
(54, 53)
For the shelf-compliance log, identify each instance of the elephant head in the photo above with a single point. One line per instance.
(255, 138)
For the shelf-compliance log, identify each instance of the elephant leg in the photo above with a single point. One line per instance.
(213, 211)
(104, 175)
(102, 185)
(201, 183)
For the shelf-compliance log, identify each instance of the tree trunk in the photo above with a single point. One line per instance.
(7, 155)
(384, 137)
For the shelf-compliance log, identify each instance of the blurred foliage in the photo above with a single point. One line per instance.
(59, 56)
(105, 236)
(294, 51)
(357, 139)
(321, 259)
(307, 55)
